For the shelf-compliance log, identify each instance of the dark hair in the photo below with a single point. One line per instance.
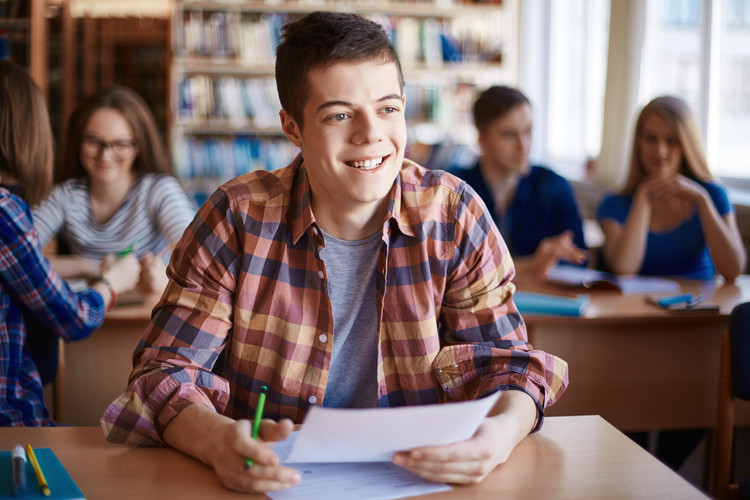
(495, 102)
(152, 155)
(677, 114)
(26, 146)
(321, 39)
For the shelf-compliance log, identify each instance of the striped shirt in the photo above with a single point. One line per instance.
(154, 214)
(247, 282)
(30, 289)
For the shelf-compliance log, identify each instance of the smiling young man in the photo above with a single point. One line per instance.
(350, 278)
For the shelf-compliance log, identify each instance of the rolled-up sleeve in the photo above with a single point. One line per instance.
(188, 330)
(486, 344)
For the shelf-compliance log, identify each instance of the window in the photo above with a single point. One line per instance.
(700, 51)
(564, 44)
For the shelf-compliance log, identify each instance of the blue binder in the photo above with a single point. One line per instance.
(60, 483)
(551, 305)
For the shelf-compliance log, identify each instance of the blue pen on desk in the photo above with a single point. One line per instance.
(695, 301)
(256, 421)
(19, 470)
(671, 300)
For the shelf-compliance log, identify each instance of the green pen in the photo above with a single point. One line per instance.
(125, 252)
(256, 421)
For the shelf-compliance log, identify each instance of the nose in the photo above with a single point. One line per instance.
(366, 129)
(663, 149)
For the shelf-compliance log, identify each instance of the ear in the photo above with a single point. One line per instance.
(290, 128)
(481, 139)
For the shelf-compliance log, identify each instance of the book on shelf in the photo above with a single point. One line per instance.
(581, 277)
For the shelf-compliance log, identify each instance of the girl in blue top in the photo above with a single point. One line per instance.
(671, 218)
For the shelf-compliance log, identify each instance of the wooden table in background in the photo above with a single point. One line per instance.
(571, 457)
(97, 368)
(638, 366)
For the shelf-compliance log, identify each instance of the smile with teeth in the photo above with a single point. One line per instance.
(366, 164)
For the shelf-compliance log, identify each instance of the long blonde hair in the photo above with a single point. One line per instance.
(677, 113)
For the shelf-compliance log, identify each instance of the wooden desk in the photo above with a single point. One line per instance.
(97, 368)
(571, 457)
(638, 366)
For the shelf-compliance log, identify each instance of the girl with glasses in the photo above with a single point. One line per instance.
(116, 193)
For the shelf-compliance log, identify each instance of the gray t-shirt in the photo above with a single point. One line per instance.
(351, 267)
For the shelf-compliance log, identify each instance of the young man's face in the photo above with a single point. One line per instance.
(506, 141)
(354, 135)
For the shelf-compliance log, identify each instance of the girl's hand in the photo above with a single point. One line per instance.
(153, 275)
(121, 273)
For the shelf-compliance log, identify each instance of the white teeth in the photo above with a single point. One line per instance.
(367, 164)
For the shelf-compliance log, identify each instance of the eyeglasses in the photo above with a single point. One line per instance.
(92, 148)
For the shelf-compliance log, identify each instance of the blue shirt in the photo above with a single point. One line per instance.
(681, 251)
(542, 206)
(30, 289)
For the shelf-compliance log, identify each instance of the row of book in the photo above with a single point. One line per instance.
(236, 100)
(214, 160)
(252, 38)
(254, 102)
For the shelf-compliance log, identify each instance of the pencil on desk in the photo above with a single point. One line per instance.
(38, 471)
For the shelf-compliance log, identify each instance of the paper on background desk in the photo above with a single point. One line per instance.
(360, 480)
(375, 434)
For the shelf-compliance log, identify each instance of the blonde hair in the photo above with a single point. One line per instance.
(677, 113)
(26, 145)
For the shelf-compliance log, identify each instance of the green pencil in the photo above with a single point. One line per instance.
(256, 421)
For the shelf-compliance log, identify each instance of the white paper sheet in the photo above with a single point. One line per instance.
(375, 434)
(360, 480)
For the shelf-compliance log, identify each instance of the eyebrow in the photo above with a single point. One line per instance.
(346, 103)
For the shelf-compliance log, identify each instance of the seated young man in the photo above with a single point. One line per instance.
(350, 278)
(533, 207)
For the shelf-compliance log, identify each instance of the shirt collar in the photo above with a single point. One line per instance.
(301, 213)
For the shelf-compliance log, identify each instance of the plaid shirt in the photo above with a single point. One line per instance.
(246, 281)
(29, 287)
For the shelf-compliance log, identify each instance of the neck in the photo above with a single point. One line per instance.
(499, 176)
(350, 225)
(106, 199)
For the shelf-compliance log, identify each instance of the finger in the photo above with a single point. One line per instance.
(259, 478)
(448, 472)
(271, 431)
(463, 451)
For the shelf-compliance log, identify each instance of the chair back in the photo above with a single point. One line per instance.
(739, 337)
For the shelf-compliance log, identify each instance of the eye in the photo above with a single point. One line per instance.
(389, 110)
(338, 117)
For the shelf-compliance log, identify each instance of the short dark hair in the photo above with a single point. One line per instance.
(152, 155)
(321, 39)
(495, 102)
(26, 144)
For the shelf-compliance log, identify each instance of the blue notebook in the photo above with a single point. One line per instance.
(545, 304)
(60, 483)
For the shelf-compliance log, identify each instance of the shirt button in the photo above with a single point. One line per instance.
(323, 337)
(312, 400)
(320, 274)
(315, 230)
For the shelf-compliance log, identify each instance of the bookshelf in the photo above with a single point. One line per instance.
(224, 107)
(23, 36)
